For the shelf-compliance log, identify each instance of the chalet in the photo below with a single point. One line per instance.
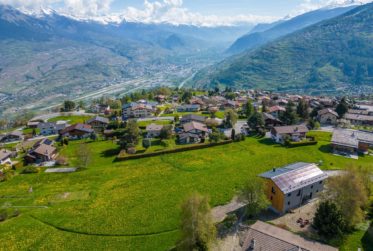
(327, 102)
(262, 236)
(327, 116)
(351, 141)
(276, 110)
(5, 156)
(11, 137)
(192, 118)
(100, 109)
(294, 133)
(160, 98)
(33, 124)
(41, 152)
(51, 128)
(98, 123)
(153, 130)
(137, 110)
(193, 132)
(77, 131)
(291, 186)
(360, 120)
(188, 108)
(230, 104)
(271, 121)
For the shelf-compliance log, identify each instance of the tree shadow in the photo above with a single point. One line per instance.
(367, 240)
(326, 148)
(110, 153)
(268, 142)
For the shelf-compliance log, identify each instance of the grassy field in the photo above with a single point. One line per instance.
(71, 119)
(134, 205)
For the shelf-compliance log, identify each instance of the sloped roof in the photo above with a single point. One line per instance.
(351, 138)
(195, 126)
(327, 110)
(45, 150)
(193, 117)
(272, 238)
(4, 154)
(79, 127)
(358, 117)
(276, 108)
(99, 119)
(295, 176)
(154, 127)
(291, 129)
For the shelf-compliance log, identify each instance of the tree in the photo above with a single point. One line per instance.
(349, 191)
(131, 134)
(177, 118)
(233, 134)
(230, 118)
(329, 221)
(253, 194)
(289, 116)
(216, 136)
(83, 156)
(256, 121)
(342, 107)
(166, 132)
(248, 109)
(302, 109)
(197, 227)
(68, 105)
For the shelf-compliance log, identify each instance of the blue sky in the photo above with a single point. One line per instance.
(196, 12)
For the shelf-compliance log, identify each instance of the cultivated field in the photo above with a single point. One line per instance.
(134, 205)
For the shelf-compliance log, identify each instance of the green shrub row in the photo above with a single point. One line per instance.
(302, 143)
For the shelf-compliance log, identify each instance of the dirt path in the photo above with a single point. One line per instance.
(220, 212)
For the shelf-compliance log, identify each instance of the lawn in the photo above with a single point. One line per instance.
(71, 119)
(134, 205)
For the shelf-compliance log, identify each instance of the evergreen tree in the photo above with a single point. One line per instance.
(329, 221)
(342, 107)
(248, 109)
(289, 117)
(302, 109)
(256, 121)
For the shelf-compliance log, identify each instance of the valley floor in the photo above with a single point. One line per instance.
(134, 205)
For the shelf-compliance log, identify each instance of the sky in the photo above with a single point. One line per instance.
(196, 12)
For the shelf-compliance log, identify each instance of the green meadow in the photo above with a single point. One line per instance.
(134, 205)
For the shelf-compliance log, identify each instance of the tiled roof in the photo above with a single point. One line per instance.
(271, 238)
(195, 126)
(193, 117)
(327, 110)
(99, 119)
(291, 129)
(154, 127)
(276, 108)
(295, 176)
(4, 154)
(359, 117)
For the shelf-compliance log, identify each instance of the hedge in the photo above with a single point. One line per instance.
(302, 143)
(177, 150)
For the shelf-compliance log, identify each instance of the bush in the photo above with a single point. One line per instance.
(30, 169)
(301, 143)
(165, 143)
(3, 214)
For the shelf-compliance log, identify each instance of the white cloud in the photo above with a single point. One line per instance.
(172, 11)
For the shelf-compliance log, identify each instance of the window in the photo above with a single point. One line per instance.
(298, 194)
(289, 203)
(289, 194)
(320, 182)
(311, 186)
(317, 191)
(273, 190)
(271, 197)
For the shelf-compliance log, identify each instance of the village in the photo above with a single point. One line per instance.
(165, 122)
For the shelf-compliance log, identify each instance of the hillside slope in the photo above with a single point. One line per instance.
(259, 38)
(328, 55)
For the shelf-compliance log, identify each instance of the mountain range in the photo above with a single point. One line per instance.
(334, 54)
(51, 57)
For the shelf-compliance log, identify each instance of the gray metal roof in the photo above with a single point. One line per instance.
(351, 138)
(295, 176)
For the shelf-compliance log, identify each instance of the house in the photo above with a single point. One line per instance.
(137, 110)
(11, 137)
(351, 141)
(98, 123)
(33, 124)
(262, 236)
(192, 118)
(51, 128)
(100, 109)
(41, 152)
(294, 133)
(292, 186)
(271, 121)
(276, 110)
(327, 116)
(188, 108)
(230, 104)
(360, 120)
(5, 156)
(77, 131)
(160, 98)
(153, 130)
(188, 138)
